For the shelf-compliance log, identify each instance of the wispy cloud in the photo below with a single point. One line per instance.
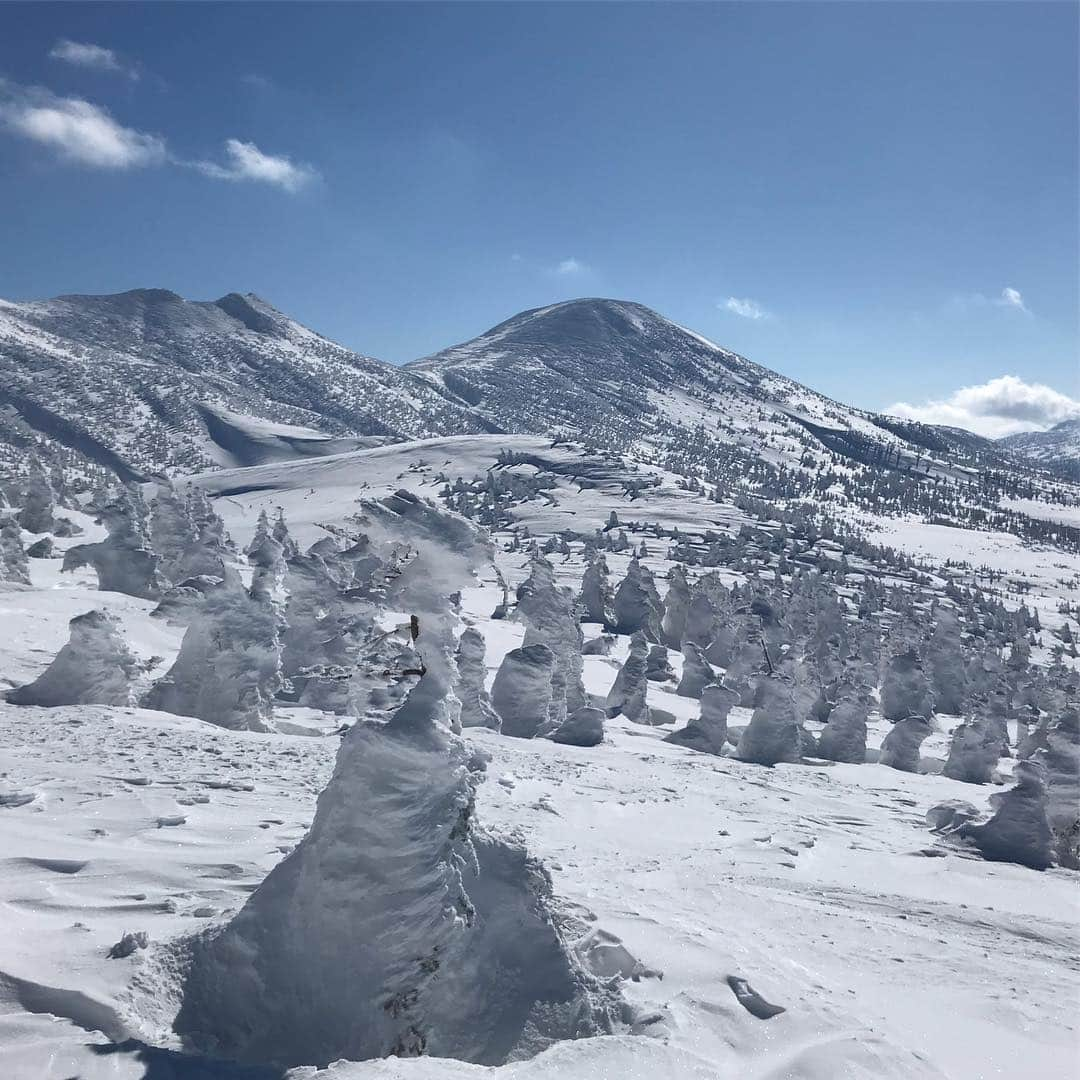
(1002, 406)
(744, 308)
(77, 130)
(84, 54)
(1009, 298)
(246, 162)
(571, 267)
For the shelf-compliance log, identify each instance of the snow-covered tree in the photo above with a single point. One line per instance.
(974, 752)
(229, 666)
(676, 606)
(521, 693)
(95, 667)
(395, 927)
(697, 672)
(629, 693)
(775, 732)
(708, 731)
(14, 565)
(905, 690)
(637, 603)
(476, 707)
(1019, 830)
(123, 561)
(38, 499)
(551, 619)
(596, 599)
(900, 748)
(844, 736)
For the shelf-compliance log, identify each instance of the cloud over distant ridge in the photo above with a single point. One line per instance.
(745, 308)
(1002, 406)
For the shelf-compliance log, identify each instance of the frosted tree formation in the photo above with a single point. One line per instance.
(1019, 830)
(582, 728)
(904, 689)
(657, 665)
(775, 733)
(637, 603)
(900, 748)
(697, 672)
(708, 732)
(396, 927)
(628, 694)
(123, 561)
(844, 737)
(229, 666)
(95, 667)
(14, 565)
(948, 675)
(38, 499)
(1060, 760)
(974, 752)
(476, 707)
(550, 619)
(521, 693)
(676, 607)
(596, 600)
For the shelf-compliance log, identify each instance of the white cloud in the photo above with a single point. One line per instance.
(83, 54)
(1002, 406)
(246, 162)
(1009, 298)
(77, 130)
(745, 308)
(571, 267)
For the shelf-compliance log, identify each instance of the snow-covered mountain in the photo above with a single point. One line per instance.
(1057, 450)
(627, 377)
(144, 381)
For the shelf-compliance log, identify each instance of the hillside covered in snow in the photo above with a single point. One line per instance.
(585, 700)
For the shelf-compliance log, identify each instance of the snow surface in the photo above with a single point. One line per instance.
(892, 955)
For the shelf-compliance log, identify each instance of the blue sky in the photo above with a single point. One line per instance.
(878, 199)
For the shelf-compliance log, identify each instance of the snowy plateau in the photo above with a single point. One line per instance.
(582, 701)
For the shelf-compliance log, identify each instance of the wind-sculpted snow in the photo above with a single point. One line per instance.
(395, 928)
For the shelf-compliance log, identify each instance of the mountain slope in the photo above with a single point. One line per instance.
(1057, 450)
(144, 380)
(627, 377)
